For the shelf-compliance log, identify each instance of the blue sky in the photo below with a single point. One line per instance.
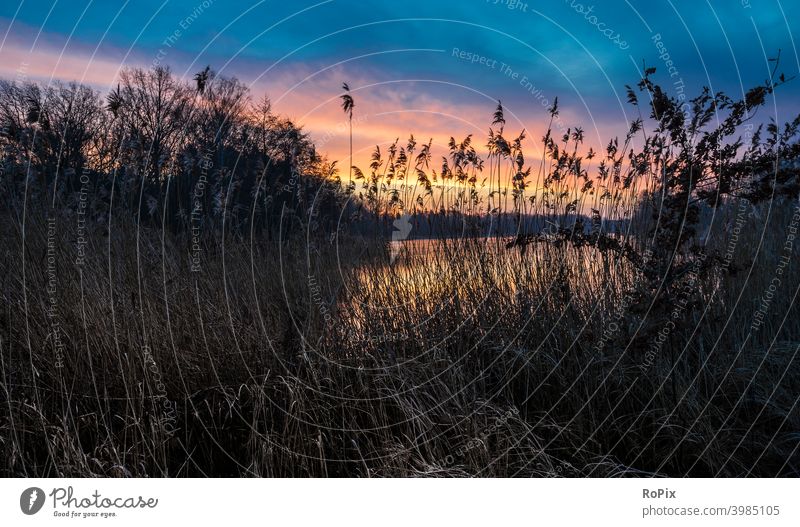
(407, 61)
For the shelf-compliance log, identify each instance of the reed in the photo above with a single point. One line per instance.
(583, 348)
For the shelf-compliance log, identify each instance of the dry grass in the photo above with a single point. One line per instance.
(466, 359)
(571, 354)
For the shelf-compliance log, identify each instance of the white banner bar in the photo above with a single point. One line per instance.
(401, 503)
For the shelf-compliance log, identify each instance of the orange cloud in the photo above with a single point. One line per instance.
(385, 109)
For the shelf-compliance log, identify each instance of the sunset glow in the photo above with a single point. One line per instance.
(252, 240)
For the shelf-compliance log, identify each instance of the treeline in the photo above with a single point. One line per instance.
(185, 154)
(455, 224)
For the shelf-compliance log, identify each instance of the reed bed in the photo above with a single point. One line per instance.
(463, 359)
(641, 333)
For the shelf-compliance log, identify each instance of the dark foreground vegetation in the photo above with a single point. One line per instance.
(188, 290)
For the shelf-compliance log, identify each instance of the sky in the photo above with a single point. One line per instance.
(432, 68)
